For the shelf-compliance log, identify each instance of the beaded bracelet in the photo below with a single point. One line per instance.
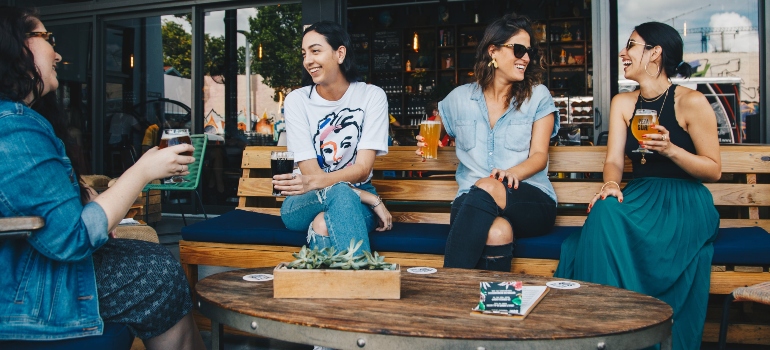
(379, 201)
(609, 182)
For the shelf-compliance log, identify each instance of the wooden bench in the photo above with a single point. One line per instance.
(738, 197)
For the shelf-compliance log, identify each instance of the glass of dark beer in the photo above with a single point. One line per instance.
(173, 137)
(281, 163)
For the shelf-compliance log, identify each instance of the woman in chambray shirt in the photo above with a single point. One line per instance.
(68, 278)
(502, 125)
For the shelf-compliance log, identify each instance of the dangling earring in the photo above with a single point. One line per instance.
(493, 62)
(648, 72)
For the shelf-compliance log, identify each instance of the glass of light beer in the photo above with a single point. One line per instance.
(430, 130)
(173, 137)
(281, 163)
(641, 125)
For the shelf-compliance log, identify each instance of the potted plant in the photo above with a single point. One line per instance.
(326, 273)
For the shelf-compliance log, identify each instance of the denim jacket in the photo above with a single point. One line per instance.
(481, 149)
(48, 285)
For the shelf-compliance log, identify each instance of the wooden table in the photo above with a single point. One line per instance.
(434, 313)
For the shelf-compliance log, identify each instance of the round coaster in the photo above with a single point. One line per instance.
(421, 270)
(563, 284)
(258, 277)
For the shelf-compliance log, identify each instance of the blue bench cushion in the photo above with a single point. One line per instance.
(115, 336)
(733, 246)
(742, 246)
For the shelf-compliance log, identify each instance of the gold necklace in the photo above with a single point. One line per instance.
(641, 105)
(654, 98)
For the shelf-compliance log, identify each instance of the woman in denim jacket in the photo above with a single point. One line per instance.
(502, 125)
(67, 279)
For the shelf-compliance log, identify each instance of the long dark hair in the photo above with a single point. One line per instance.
(336, 36)
(19, 76)
(669, 40)
(497, 33)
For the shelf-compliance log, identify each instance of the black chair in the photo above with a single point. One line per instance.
(601, 140)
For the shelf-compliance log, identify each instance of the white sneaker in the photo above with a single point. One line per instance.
(321, 348)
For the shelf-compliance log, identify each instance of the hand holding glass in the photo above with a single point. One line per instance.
(642, 124)
(281, 163)
(173, 137)
(430, 130)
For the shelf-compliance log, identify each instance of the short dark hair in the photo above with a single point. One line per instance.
(669, 40)
(497, 33)
(18, 74)
(336, 36)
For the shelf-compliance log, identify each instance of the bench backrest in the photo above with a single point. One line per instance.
(738, 187)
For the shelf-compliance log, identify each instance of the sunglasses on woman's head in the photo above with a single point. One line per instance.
(632, 42)
(47, 36)
(519, 50)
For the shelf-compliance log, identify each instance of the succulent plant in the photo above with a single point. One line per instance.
(347, 259)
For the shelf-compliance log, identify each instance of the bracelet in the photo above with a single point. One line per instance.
(379, 201)
(609, 182)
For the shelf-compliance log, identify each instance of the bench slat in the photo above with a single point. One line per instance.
(735, 159)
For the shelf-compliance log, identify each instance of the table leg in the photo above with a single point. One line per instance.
(217, 335)
(666, 344)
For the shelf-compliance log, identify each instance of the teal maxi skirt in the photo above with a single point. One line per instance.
(657, 242)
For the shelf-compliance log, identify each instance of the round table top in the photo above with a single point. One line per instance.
(438, 306)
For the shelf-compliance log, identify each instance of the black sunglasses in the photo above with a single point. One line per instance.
(632, 42)
(519, 50)
(47, 36)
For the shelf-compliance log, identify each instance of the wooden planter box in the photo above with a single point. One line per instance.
(336, 284)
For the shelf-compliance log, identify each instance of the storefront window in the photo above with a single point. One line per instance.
(147, 85)
(722, 42)
(242, 105)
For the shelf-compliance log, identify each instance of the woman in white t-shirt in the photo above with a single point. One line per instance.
(335, 126)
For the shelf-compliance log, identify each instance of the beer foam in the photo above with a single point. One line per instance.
(169, 136)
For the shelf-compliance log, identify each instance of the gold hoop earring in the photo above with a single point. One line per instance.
(493, 62)
(648, 73)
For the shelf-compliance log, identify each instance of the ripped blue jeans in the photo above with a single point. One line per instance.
(346, 217)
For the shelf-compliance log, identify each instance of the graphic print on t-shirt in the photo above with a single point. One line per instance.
(337, 139)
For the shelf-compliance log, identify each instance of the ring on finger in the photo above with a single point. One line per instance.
(664, 137)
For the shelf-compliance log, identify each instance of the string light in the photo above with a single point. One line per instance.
(416, 43)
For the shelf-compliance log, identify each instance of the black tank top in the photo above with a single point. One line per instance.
(657, 165)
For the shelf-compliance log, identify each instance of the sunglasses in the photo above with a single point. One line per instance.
(631, 44)
(47, 36)
(519, 50)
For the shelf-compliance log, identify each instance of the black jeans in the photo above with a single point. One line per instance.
(529, 210)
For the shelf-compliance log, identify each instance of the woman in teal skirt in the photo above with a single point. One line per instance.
(655, 236)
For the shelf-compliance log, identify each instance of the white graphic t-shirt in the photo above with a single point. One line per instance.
(332, 132)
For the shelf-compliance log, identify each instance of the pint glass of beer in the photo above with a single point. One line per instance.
(642, 124)
(173, 137)
(281, 163)
(431, 131)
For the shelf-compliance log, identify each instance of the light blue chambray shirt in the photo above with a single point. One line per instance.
(481, 149)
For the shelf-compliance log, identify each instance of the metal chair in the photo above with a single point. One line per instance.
(199, 142)
(759, 293)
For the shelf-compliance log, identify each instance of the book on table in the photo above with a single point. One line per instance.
(510, 300)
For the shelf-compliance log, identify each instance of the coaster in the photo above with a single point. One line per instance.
(421, 270)
(258, 277)
(563, 285)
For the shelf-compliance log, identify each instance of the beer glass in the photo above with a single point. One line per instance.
(430, 130)
(173, 137)
(281, 163)
(641, 125)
